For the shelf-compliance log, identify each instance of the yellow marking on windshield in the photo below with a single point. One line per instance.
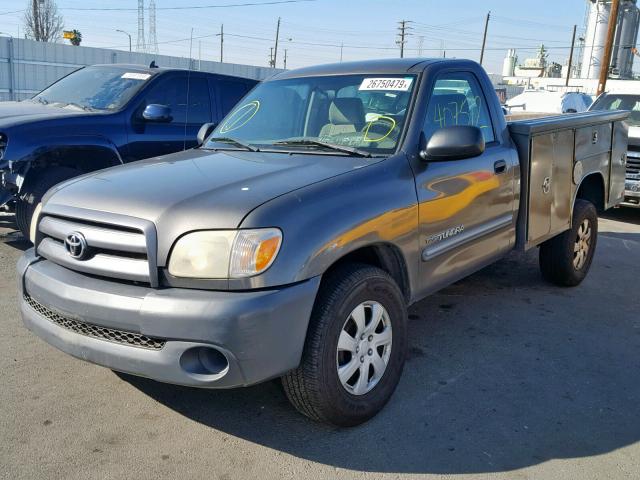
(240, 117)
(391, 121)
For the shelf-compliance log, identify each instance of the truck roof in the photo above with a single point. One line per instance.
(387, 65)
(156, 70)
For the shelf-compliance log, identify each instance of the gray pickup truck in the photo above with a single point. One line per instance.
(290, 243)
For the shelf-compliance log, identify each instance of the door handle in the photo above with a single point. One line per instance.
(500, 166)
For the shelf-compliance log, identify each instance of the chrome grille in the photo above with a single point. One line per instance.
(95, 331)
(112, 251)
(633, 165)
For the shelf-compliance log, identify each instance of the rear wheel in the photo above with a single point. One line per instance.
(355, 348)
(565, 260)
(34, 190)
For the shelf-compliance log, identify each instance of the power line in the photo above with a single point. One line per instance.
(189, 7)
(13, 11)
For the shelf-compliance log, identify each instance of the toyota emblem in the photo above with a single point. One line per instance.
(76, 245)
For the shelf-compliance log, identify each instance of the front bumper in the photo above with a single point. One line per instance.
(260, 333)
(631, 194)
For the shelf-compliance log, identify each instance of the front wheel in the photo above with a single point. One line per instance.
(355, 348)
(565, 260)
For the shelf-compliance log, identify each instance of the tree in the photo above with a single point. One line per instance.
(42, 21)
(77, 38)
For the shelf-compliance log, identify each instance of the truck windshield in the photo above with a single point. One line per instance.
(350, 114)
(94, 88)
(612, 101)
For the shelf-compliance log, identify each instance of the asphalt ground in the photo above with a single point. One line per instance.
(507, 377)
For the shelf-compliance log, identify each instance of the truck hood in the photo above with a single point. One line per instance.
(634, 136)
(12, 113)
(198, 189)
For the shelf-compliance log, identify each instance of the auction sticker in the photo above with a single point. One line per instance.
(395, 84)
(136, 76)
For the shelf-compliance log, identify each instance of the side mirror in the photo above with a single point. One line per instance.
(452, 143)
(157, 113)
(204, 132)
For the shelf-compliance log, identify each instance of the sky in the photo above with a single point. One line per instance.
(312, 31)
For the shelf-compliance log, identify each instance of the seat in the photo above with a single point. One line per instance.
(346, 115)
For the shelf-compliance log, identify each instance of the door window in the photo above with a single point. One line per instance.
(230, 94)
(457, 99)
(172, 92)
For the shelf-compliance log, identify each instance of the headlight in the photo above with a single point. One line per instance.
(225, 253)
(34, 223)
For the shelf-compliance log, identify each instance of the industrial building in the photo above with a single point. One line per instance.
(588, 55)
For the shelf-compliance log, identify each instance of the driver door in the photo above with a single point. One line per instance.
(151, 139)
(466, 207)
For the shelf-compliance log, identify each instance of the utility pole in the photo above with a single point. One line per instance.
(484, 38)
(420, 45)
(285, 58)
(573, 44)
(402, 35)
(36, 19)
(341, 49)
(606, 60)
(271, 57)
(221, 41)
(275, 51)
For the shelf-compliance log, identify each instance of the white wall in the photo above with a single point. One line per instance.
(27, 66)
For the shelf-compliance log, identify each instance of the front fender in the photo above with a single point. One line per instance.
(19, 158)
(323, 222)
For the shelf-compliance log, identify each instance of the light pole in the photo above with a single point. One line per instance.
(127, 34)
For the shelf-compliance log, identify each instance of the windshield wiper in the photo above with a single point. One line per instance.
(235, 142)
(41, 100)
(330, 146)
(86, 108)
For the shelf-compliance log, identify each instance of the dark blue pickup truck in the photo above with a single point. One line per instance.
(101, 116)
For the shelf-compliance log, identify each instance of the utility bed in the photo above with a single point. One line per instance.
(556, 153)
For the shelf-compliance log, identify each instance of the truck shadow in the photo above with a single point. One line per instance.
(504, 372)
(623, 214)
(9, 233)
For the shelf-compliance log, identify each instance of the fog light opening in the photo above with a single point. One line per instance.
(204, 361)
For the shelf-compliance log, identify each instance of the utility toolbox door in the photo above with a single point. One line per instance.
(593, 140)
(618, 163)
(550, 189)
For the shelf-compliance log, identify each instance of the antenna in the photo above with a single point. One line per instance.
(186, 116)
(153, 39)
(141, 47)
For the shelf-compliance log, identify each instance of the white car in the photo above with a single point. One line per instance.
(544, 101)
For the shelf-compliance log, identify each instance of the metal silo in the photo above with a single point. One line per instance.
(509, 64)
(595, 38)
(625, 39)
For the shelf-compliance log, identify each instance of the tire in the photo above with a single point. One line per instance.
(34, 190)
(565, 260)
(315, 388)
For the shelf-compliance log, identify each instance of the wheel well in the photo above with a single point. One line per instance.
(84, 159)
(592, 189)
(384, 256)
